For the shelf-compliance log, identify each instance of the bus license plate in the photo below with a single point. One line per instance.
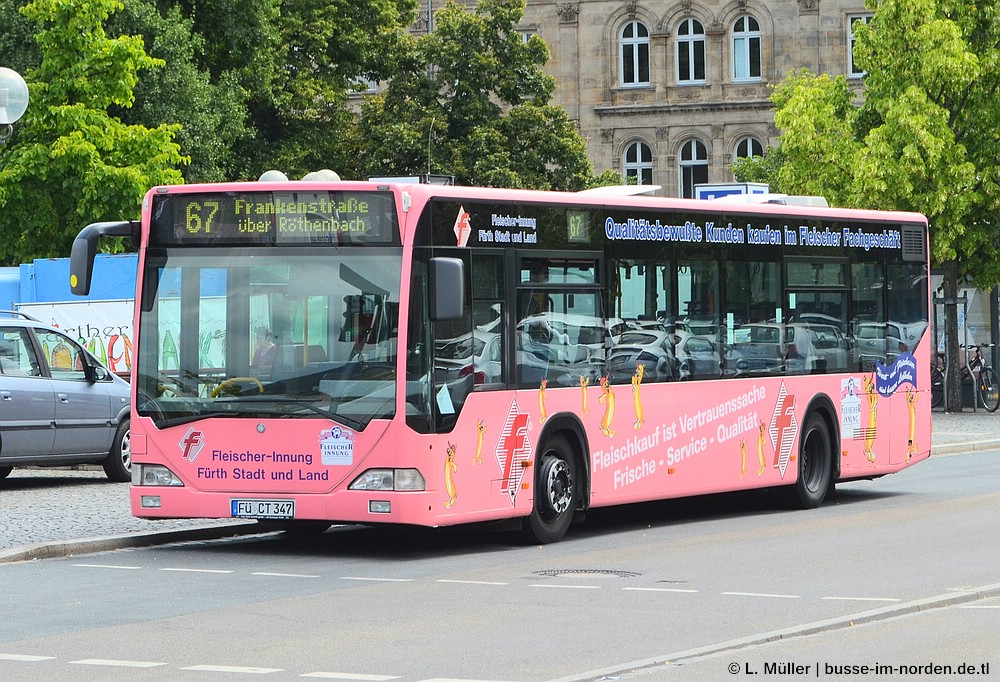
(263, 509)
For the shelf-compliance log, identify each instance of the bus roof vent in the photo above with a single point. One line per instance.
(914, 243)
(322, 175)
(272, 176)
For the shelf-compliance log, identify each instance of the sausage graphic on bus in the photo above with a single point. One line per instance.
(640, 370)
(450, 467)
(911, 411)
(872, 395)
(480, 436)
(608, 400)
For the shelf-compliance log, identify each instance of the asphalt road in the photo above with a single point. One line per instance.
(897, 571)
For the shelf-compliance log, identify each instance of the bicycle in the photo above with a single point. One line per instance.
(984, 377)
(937, 380)
(977, 370)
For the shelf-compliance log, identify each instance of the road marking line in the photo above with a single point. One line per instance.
(980, 606)
(120, 568)
(195, 570)
(285, 575)
(659, 589)
(24, 657)
(759, 594)
(232, 669)
(452, 679)
(118, 664)
(471, 582)
(889, 599)
(568, 587)
(351, 676)
(378, 580)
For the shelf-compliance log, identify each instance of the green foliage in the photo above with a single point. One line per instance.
(763, 169)
(127, 95)
(211, 108)
(924, 136)
(327, 49)
(471, 100)
(72, 163)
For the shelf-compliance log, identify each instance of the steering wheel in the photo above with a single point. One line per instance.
(228, 385)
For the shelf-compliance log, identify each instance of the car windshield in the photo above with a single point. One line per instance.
(276, 332)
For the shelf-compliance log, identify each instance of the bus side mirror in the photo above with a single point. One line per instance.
(447, 284)
(81, 259)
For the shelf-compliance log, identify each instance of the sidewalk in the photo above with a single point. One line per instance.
(59, 512)
(964, 431)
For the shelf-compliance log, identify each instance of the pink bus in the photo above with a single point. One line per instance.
(310, 353)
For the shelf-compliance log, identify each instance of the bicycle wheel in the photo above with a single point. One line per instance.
(937, 387)
(989, 389)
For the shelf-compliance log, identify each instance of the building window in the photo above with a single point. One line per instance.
(364, 86)
(854, 71)
(635, 54)
(748, 147)
(690, 52)
(638, 163)
(693, 167)
(746, 49)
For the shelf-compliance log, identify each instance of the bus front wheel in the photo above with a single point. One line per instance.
(815, 464)
(557, 491)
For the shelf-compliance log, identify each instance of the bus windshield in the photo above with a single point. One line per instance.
(274, 332)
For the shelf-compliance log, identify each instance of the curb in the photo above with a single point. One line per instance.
(969, 446)
(803, 630)
(51, 550)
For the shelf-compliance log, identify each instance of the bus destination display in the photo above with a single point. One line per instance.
(233, 218)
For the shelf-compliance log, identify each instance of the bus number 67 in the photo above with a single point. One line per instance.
(198, 218)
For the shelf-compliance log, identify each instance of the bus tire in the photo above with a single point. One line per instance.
(557, 492)
(118, 463)
(815, 464)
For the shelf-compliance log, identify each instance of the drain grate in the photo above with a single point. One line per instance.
(586, 571)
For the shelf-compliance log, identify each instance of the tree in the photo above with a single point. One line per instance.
(470, 99)
(327, 50)
(923, 139)
(73, 163)
(210, 103)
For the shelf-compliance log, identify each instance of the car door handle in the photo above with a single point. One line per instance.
(63, 398)
(6, 395)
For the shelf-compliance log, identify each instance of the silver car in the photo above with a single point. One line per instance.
(58, 404)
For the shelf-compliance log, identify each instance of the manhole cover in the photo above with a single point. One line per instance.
(587, 571)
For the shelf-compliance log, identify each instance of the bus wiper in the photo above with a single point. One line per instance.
(308, 404)
(187, 419)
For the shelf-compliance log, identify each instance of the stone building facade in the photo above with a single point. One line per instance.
(673, 91)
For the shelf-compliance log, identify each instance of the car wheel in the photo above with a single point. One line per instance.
(118, 463)
(5, 472)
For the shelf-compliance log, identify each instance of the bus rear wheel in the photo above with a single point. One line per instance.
(815, 464)
(557, 491)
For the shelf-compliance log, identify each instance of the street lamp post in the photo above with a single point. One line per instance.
(13, 101)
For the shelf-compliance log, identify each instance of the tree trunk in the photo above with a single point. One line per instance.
(953, 359)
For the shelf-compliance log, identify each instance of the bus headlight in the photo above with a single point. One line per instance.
(389, 479)
(154, 474)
